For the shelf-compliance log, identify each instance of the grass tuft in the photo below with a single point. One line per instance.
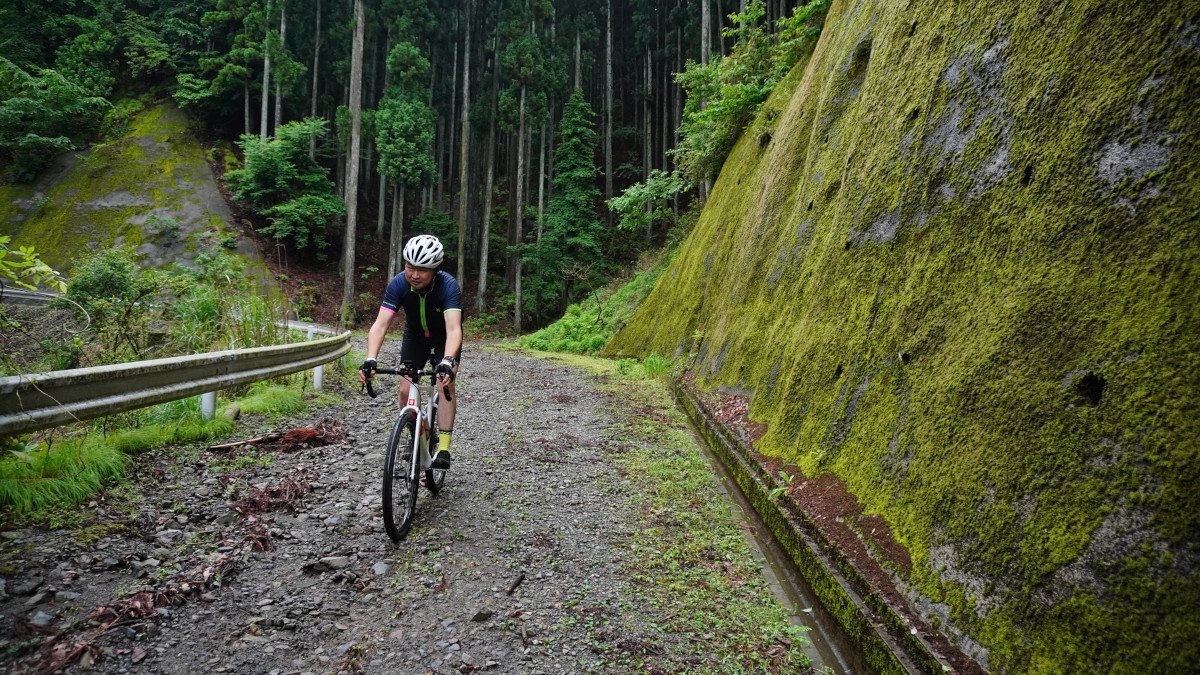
(272, 399)
(65, 474)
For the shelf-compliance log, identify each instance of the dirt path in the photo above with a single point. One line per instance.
(540, 488)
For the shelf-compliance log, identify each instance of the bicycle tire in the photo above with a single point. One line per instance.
(434, 478)
(399, 491)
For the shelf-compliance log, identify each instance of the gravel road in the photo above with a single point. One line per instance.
(196, 581)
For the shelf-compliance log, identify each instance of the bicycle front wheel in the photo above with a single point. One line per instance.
(400, 481)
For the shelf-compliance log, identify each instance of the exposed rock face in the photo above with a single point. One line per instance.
(151, 189)
(961, 274)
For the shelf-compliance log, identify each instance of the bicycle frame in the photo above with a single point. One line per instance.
(426, 431)
(422, 439)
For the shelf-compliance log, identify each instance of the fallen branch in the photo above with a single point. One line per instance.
(516, 582)
(251, 441)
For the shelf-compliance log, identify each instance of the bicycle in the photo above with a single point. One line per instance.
(402, 477)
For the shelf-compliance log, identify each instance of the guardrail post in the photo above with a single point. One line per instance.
(319, 371)
(208, 405)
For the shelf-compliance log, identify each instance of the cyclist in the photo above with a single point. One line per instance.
(432, 302)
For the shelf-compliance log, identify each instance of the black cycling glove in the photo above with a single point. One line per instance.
(368, 368)
(445, 367)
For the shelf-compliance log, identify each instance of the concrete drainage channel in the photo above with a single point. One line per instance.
(853, 629)
(831, 650)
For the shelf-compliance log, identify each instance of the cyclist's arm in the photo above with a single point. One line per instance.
(453, 331)
(378, 331)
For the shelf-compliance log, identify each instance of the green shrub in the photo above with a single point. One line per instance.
(283, 183)
(165, 226)
(111, 275)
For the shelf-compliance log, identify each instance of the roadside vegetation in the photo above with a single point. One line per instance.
(44, 477)
(586, 326)
(131, 313)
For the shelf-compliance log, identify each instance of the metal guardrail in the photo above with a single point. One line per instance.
(312, 328)
(44, 400)
(14, 295)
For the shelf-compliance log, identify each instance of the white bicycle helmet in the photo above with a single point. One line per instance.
(423, 251)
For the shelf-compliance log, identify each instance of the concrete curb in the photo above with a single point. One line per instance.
(883, 636)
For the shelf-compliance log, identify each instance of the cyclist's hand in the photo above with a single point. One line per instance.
(366, 371)
(445, 371)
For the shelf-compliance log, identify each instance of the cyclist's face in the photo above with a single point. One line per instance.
(419, 277)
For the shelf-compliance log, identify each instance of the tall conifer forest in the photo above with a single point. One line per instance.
(547, 142)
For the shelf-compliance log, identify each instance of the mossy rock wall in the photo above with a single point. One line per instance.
(962, 275)
(106, 196)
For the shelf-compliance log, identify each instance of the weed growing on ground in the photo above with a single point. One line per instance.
(240, 462)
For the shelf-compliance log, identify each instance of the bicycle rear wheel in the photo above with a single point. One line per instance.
(434, 478)
(399, 490)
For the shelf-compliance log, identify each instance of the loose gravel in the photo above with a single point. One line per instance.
(520, 565)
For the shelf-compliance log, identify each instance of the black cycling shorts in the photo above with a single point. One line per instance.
(416, 350)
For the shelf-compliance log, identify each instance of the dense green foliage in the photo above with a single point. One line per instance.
(23, 267)
(958, 274)
(566, 259)
(404, 122)
(287, 186)
(41, 115)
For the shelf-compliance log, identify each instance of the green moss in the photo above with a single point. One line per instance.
(943, 293)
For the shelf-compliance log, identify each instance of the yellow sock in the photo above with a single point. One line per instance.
(444, 440)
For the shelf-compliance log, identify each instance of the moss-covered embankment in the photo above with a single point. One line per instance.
(962, 275)
(150, 189)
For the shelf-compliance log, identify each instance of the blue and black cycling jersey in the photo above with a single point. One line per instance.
(424, 312)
